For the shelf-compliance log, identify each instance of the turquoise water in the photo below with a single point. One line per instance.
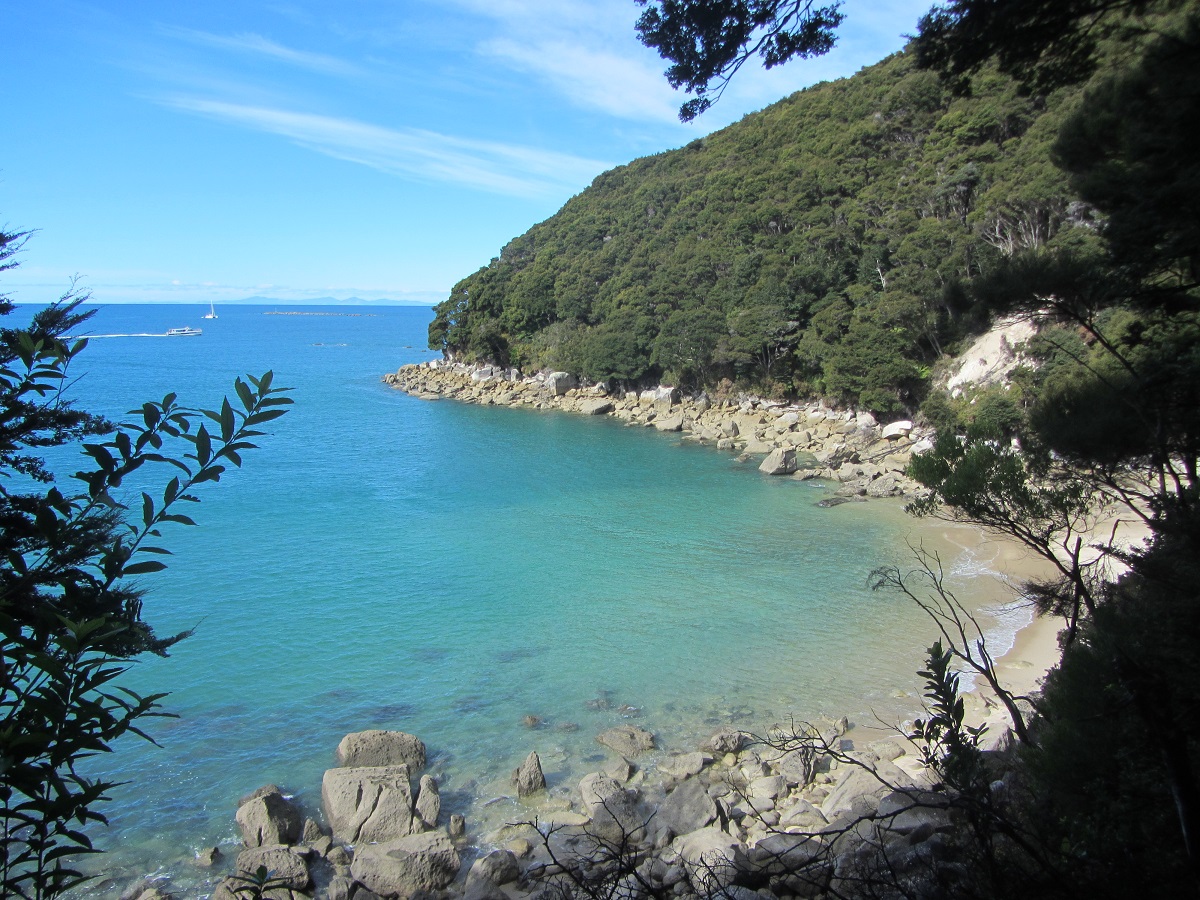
(447, 570)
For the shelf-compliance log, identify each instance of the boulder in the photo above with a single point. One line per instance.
(759, 448)
(627, 740)
(489, 872)
(796, 766)
(597, 407)
(907, 811)
(366, 804)
(727, 740)
(429, 802)
(884, 486)
(613, 810)
(769, 787)
(666, 394)
(688, 808)
(778, 854)
(669, 423)
(283, 865)
(684, 765)
(896, 430)
(710, 856)
(803, 814)
(269, 819)
(381, 748)
(779, 461)
(558, 383)
(528, 777)
(408, 866)
(859, 782)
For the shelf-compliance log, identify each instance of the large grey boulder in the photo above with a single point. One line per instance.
(688, 808)
(365, 804)
(906, 811)
(797, 766)
(777, 854)
(269, 819)
(884, 486)
(669, 423)
(489, 873)
(408, 866)
(779, 461)
(727, 740)
(684, 765)
(528, 777)
(628, 740)
(710, 856)
(870, 784)
(282, 864)
(381, 748)
(613, 809)
(558, 383)
(428, 806)
(597, 407)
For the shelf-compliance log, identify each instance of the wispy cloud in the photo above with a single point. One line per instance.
(584, 51)
(257, 45)
(591, 77)
(412, 152)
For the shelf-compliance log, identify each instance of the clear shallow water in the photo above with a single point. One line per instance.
(447, 570)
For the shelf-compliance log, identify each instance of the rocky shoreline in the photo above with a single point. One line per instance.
(812, 440)
(797, 814)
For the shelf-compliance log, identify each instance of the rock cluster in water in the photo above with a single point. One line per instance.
(802, 441)
(739, 817)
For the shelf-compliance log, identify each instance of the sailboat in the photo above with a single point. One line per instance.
(211, 314)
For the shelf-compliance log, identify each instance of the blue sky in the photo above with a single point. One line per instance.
(188, 152)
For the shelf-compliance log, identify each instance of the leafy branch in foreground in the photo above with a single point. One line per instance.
(69, 617)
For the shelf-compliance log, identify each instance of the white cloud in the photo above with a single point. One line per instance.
(591, 77)
(256, 45)
(426, 155)
(586, 52)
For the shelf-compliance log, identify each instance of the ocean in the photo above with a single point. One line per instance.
(450, 570)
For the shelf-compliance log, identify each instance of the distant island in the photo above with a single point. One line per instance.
(294, 312)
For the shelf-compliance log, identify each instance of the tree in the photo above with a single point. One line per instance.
(70, 616)
(1044, 45)
(1108, 422)
(707, 41)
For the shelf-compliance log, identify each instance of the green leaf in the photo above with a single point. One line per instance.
(143, 568)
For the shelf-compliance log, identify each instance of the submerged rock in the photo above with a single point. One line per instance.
(628, 740)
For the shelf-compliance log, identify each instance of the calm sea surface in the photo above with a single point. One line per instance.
(447, 570)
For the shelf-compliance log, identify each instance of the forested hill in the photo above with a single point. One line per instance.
(812, 248)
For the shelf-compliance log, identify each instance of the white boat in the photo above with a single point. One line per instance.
(211, 314)
(183, 332)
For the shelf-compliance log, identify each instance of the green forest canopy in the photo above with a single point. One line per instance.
(816, 247)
